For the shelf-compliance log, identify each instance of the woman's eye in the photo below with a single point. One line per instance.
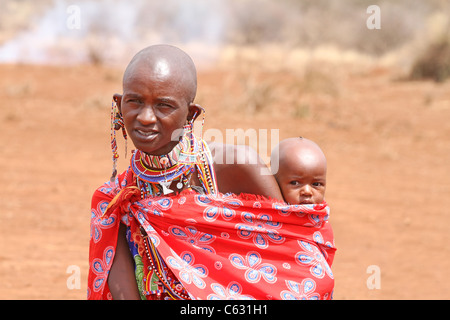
(164, 105)
(137, 101)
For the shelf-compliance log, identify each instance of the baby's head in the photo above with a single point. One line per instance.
(302, 170)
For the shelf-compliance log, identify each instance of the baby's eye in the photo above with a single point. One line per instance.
(294, 183)
(317, 184)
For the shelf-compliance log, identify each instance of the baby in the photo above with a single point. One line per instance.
(301, 172)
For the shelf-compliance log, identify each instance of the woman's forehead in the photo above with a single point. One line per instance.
(144, 78)
(160, 79)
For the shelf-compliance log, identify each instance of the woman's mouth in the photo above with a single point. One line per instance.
(146, 134)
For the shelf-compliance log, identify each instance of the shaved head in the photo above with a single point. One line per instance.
(298, 149)
(303, 150)
(164, 61)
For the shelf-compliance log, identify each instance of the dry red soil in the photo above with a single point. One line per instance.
(386, 140)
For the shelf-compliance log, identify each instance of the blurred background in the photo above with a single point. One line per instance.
(377, 100)
(109, 31)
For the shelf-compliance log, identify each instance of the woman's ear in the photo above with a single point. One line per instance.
(118, 100)
(194, 111)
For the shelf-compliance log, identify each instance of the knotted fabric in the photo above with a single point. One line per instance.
(222, 246)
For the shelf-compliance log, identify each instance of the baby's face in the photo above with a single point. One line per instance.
(302, 182)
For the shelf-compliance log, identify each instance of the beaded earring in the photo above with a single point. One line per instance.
(116, 124)
(191, 122)
(205, 171)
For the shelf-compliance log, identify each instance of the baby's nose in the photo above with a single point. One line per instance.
(306, 190)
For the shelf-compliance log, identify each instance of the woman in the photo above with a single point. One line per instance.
(163, 200)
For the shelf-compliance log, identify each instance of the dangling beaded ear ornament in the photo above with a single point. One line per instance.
(116, 124)
(205, 170)
(203, 120)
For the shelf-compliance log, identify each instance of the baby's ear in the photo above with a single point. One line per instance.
(194, 111)
(118, 99)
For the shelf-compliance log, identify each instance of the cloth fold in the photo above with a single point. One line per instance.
(222, 246)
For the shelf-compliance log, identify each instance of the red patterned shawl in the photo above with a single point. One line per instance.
(219, 247)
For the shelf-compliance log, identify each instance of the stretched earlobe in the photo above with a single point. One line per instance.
(117, 98)
(194, 111)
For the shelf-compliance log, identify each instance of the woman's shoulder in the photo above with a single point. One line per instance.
(240, 169)
(230, 154)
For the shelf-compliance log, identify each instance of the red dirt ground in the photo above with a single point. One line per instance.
(386, 140)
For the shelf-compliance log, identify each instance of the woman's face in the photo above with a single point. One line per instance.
(155, 107)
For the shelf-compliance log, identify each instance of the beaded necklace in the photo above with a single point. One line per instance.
(173, 288)
(155, 174)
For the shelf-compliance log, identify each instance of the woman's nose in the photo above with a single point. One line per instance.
(146, 115)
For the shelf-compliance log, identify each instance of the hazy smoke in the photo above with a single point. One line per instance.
(110, 31)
